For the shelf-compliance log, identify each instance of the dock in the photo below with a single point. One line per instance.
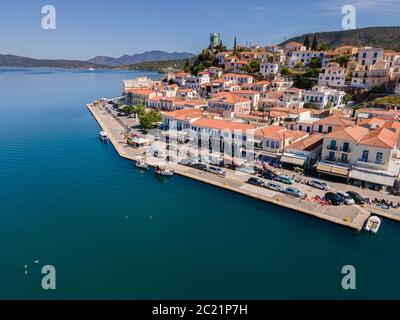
(353, 217)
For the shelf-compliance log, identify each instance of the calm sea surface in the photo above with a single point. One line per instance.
(112, 232)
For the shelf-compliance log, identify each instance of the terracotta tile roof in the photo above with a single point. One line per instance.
(184, 114)
(335, 121)
(140, 91)
(268, 131)
(228, 97)
(309, 143)
(351, 133)
(288, 134)
(381, 138)
(223, 125)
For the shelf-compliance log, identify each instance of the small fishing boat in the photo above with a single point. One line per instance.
(373, 225)
(104, 136)
(141, 164)
(164, 171)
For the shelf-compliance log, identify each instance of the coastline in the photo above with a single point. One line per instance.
(113, 130)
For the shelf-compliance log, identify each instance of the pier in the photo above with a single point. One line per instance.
(353, 217)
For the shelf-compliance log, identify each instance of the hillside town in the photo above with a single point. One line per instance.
(333, 114)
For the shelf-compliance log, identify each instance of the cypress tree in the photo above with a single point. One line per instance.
(307, 42)
(314, 45)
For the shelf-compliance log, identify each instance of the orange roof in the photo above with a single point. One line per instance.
(223, 124)
(334, 121)
(184, 114)
(308, 143)
(352, 133)
(268, 131)
(228, 97)
(246, 92)
(263, 82)
(140, 91)
(381, 138)
(288, 134)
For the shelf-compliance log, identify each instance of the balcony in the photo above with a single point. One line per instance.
(364, 163)
(330, 147)
(345, 150)
(330, 159)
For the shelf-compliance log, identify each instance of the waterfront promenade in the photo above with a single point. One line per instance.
(350, 216)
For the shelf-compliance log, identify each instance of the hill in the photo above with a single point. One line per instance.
(159, 66)
(149, 56)
(386, 37)
(18, 61)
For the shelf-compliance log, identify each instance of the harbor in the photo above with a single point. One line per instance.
(354, 217)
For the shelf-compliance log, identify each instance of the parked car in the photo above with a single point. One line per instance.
(274, 187)
(268, 174)
(286, 180)
(319, 185)
(217, 171)
(334, 199)
(358, 199)
(256, 182)
(200, 166)
(171, 159)
(247, 170)
(171, 147)
(185, 162)
(159, 154)
(295, 193)
(347, 199)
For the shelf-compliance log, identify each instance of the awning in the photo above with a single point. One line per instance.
(333, 169)
(293, 160)
(373, 177)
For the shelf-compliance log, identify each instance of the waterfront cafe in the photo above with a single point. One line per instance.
(137, 142)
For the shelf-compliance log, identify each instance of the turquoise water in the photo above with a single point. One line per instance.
(112, 232)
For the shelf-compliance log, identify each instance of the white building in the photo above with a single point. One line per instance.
(369, 56)
(322, 97)
(304, 57)
(368, 77)
(267, 69)
(333, 76)
(196, 81)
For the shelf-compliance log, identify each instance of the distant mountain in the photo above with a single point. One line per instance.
(142, 57)
(386, 37)
(159, 66)
(17, 61)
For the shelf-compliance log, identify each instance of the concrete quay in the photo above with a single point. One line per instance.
(353, 217)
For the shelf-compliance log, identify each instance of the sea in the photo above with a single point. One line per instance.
(110, 231)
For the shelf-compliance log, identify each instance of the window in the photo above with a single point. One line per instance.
(331, 156)
(330, 129)
(320, 128)
(344, 158)
(333, 145)
(379, 158)
(301, 128)
(365, 156)
(346, 147)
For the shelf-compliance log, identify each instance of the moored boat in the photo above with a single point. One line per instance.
(373, 224)
(164, 171)
(104, 136)
(141, 164)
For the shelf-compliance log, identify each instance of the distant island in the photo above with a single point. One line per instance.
(18, 61)
(381, 37)
(148, 56)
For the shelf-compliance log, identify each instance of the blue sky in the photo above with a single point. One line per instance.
(89, 28)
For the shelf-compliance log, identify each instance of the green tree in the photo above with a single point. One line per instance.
(315, 63)
(286, 71)
(139, 109)
(307, 42)
(149, 119)
(343, 60)
(312, 73)
(329, 105)
(187, 67)
(304, 83)
(314, 45)
(253, 67)
(309, 105)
